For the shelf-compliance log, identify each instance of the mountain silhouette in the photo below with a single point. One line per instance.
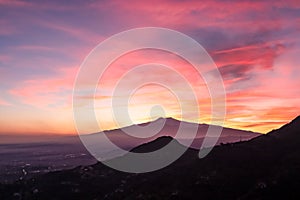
(288, 130)
(193, 136)
(266, 167)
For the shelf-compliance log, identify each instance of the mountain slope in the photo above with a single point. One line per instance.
(170, 127)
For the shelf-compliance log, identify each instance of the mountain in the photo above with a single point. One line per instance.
(266, 167)
(169, 127)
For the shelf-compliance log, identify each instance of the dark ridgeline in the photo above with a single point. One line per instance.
(266, 167)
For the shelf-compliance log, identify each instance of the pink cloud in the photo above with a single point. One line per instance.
(45, 92)
(4, 103)
(6, 27)
(15, 3)
(5, 58)
(196, 14)
(262, 55)
(80, 33)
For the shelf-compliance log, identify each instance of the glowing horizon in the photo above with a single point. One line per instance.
(256, 47)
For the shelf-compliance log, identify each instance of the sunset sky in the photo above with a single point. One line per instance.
(255, 45)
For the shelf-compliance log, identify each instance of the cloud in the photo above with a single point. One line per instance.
(4, 103)
(4, 58)
(82, 33)
(15, 3)
(229, 72)
(9, 28)
(253, 43)
(196, 14)
(47, 92)
(261, 55)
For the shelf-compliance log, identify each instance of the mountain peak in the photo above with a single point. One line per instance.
(167, 119)
(174, 122)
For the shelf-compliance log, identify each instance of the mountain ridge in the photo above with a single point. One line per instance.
(169, 127)
(168, 119)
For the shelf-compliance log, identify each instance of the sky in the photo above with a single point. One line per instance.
(255, 45)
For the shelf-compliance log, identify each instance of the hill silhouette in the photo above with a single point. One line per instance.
(153, 145)
(266, 167)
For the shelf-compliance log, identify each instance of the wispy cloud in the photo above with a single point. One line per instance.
(4, 102)
(49, 92)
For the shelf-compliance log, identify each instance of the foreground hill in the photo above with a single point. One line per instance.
(266, 167)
